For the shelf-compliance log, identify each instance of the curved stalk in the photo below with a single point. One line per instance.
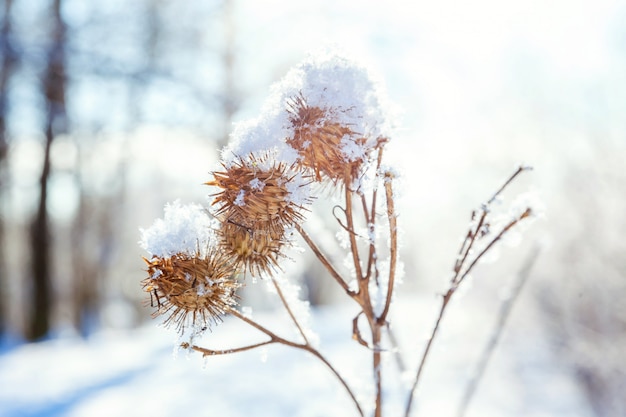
(350, 223)
(289, 311)
(322, 258)
(274, 338)
(393, 237)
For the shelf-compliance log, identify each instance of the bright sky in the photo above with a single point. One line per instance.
(482, 85)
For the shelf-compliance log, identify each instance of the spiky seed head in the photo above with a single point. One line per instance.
(256, 190)
(319, 141)
(256, 248)
(191, 290)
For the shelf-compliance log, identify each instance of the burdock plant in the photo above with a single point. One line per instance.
(321, 134)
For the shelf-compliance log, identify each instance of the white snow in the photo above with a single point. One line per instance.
(134, 372)
(329, 80)
(183, 229)
(257, 184)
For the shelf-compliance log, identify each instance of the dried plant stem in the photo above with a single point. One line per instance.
(350, 225)
(279, 291)
(370, 220)
(503, 315)
(393, 235)
(322, 258)
(506, 228)
(364, 299)
(473, 234)
(444, 304)
(519, 170)
(396, 348)
(465, 250)
(448, 295)
(211, 352)
(274, 338)
(377, 364)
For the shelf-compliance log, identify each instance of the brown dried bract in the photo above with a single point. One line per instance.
(191, 289)
(255, 194)
(317, 138)
(255, 248)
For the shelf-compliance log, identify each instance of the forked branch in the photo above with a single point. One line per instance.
(459, 273)
(274, 338)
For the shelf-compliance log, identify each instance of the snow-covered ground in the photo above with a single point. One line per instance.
(137, 372)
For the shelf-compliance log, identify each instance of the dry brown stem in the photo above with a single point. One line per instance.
(324, 260)
(275, 339)
(393, 233)
(283, 300)
(473, 234)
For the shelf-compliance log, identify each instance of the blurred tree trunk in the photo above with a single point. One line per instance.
(54, 79)
(85, 268)
(7, 66)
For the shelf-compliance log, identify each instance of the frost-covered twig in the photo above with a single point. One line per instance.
(475, 232)
(324, 260)
(212, 352)
(486, 249)
(393, 234)
(275, 339)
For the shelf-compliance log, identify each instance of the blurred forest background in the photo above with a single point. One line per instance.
(109, 109)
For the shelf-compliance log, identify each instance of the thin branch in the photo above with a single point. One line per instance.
(307, 347)
(370, 219)
(366, 212)
(511, 178)
(210, 352)
(503, 315)
(322, 258)
(458, 277)
(274, 338)
(493, 242)
(444, 304)
(446, 300)
(262, 329)
(356, 333)
(353, 243)
(289, 311)
(396, 349)
(339, 377)
(371, 229)
(471, 237)
(377, 369)
(393, 236)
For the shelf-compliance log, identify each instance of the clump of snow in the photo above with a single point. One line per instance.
(352, 150)
(240, 200)
(264, 134)
(298, 190)
(328, 80)
(257, 184)
(347, 90)
(184, 229)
